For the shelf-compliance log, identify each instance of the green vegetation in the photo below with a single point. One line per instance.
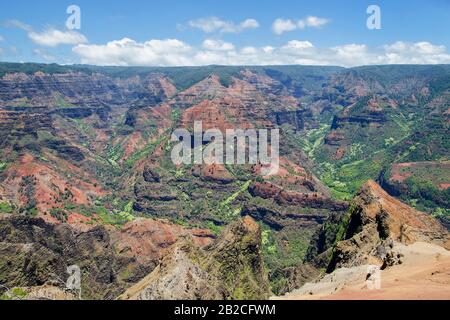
(347, 179)
(176, 114)
(426, 193)
(214, 228)
(60, 102)
(100, 213)
(147, 150)
(14, 294)
(59, 214)
(441, 213)
(281, 250)
(30, 68)
(115, 153)
(225, 208)
(84, 127)
(6, 208)
(312, 140)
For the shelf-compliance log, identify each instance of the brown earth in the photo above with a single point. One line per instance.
(423, 275)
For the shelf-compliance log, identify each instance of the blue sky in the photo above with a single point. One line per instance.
(199, 32)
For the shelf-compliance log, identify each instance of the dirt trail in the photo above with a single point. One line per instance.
(424, 274)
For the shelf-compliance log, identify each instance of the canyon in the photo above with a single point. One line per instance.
(87, 179)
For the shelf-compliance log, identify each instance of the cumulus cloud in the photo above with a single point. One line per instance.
(173, 52)
(128, 52)
(214, 24)
(50, 37)
(415, 53)
(313, 22)
(281, 26)
(217, 45)
(298, 45)
(53, 37)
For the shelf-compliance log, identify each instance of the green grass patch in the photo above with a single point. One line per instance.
(6, 208)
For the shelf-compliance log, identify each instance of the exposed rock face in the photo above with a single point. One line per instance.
(230, 268)
(374, 217)
(264, 83)
(35, 253)
(235, 259)
(151, 175)
(364, 112)
(282, 198)
(45, 292)
(377, 230)
(149, 90)
(298, 276)
(27, 118)
(42, 89)
(177, 277)
(294, 118)
(34, 184)
(399, 180)
(65, 90)
(278, 219)
(311, 198)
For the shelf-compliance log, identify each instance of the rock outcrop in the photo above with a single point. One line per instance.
(229, 268)
(35, 253)
(376, 220)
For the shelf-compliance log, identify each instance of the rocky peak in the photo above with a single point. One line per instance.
(376, 221)
(396, 219)
(229, 268)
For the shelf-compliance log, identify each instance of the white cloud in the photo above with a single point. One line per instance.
(415, 53)
(298, 45)
(249, 51)
(214, 24)
(217, 45)
(314, 22)
(354, 54)
(18, 24)
(128, 52)
(173, 52)
(281, 25)
(53, 37)
(249, 24)
(50, 37)
(2, 39)
(268, 49)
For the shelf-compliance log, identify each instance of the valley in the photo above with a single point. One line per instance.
(86, 178)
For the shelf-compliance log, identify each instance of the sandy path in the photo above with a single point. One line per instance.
(424, 275)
